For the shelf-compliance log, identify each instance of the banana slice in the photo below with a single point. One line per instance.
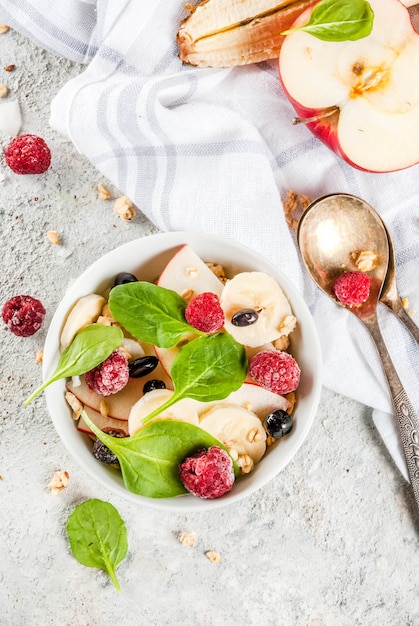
(225, 33)
(184, 410)
(261, 293)
(86, 311)
(241, 431)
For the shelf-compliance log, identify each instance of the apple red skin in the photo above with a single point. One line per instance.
(324, 128)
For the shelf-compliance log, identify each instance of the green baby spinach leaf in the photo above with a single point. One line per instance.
(98, 536)
(150, 459)
(150, 313)
(339, 20)
(207, 368)
(90, 346)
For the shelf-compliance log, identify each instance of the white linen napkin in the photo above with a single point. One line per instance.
(215, 150)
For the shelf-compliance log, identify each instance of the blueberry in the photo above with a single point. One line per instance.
(278, 423)
(142, 366)
(245, 317)
(153, 384)
(125, 277)
(102, 452)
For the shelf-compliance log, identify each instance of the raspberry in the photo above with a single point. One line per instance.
(352, 288)
(275, 370)
(28, 154)
(207, 473)
(204, 313)
(23, 315)
(110, 376)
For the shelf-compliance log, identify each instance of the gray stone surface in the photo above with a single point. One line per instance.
(331, 542)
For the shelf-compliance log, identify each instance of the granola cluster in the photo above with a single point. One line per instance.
(294, 206)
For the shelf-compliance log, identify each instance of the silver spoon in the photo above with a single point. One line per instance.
(390, 295)
(330, 231)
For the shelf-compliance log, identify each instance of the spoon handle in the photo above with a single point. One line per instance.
(399, 310)
(407, 420)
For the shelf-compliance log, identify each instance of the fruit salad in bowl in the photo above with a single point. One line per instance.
(182, 371)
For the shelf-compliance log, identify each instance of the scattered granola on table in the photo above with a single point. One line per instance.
(59, 481)
(103, 193)
(187, 539)
(40, 356)
(213, 556)
(53, 236)
(124, 208)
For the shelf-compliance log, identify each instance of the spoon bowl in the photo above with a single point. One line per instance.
(332, 232)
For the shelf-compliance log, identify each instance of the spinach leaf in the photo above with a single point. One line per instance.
(90, 346)
(98, 536)
(149, 460)
(339, 20)
(151, 313)
(207, 368)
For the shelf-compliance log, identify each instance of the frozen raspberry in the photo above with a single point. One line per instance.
(352, 288)
(275, 370)
(23, 315)
(28, 154)
(204, 313)
(110, 376)
(207, 473)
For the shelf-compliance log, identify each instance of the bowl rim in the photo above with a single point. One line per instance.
(163, 243)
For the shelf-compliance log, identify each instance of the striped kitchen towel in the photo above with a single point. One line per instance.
(214, 150)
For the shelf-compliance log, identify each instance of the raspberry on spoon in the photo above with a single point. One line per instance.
(352, 288)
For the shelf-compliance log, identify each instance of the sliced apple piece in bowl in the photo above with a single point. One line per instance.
(251, 397)
(361, 98)
(188, 275)
(101, 421)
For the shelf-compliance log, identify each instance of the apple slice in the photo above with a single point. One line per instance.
(361, 98)
(251, 397)
(258, 400)
(101, 422)
(188, 275)
(166, 356)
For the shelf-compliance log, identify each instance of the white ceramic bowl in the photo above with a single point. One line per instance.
(146, 258)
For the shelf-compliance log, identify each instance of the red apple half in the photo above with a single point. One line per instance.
(363, 94)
